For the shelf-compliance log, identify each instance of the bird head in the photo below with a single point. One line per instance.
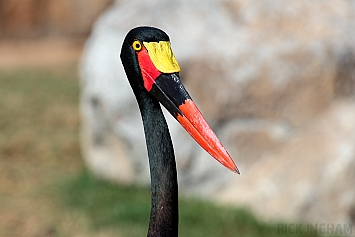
(151, 67)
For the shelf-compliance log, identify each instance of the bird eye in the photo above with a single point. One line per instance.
(137, 45)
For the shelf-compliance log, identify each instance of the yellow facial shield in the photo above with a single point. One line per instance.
(162, 56)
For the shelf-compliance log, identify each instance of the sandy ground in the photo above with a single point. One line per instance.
(39, 53)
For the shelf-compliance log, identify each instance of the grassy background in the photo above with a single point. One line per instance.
(44, 188)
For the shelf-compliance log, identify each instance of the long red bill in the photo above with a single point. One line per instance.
(167, 88)
(195, 124)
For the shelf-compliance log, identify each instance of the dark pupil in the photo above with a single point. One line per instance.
(137, 46)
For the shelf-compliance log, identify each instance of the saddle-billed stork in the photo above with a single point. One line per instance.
(153, 74)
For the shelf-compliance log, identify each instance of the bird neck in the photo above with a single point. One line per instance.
(164, 208)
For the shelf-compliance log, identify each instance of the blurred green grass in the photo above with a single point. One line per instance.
(45, 190)
(39, 117)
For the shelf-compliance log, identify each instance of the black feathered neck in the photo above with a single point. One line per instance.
(164, 208)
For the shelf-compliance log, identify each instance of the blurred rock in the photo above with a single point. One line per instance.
(309, 177)
(275, 79)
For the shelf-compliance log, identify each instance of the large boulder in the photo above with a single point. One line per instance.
(276, 81)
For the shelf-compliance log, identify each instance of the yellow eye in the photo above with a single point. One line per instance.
(137, 45)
